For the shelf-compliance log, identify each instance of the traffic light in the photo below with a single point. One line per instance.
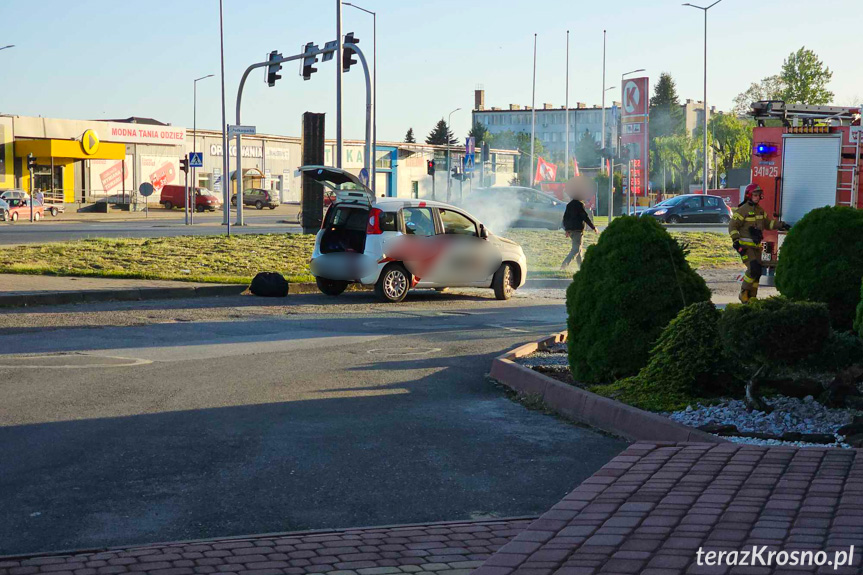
(430, 167)
(31, 162)
(309, 61)
(184, 164)
(348, 53)
(273, 68)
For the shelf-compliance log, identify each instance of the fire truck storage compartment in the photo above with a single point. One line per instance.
(810, 165)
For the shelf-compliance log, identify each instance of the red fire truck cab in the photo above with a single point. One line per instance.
(804, 157)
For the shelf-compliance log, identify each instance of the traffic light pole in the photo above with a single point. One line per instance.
(186, 186)
(282, 60)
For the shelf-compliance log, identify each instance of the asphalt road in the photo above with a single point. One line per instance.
(124, 423)
(74, 226)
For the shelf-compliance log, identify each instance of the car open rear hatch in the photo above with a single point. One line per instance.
(347, 187)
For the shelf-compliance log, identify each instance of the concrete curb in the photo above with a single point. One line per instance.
(127, 294)
(586, 407)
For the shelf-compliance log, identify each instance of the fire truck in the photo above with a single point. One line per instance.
(804, 157)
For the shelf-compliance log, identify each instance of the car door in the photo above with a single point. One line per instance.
(547, 210)
(714, 209)
(692, 210)
(465, 259)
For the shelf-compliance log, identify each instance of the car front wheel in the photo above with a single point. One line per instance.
(331, 287)
(14, 216)
(503, 282)
(54, 212)
(259, 205)
(673, 219)
(724, 220)
(37, 216)
(393, 284)
(169, 205)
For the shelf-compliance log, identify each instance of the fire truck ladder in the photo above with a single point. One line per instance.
(794, 114)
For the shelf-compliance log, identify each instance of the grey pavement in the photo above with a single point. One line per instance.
(137, 422)
(34, 284)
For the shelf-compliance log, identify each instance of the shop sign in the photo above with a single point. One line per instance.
(248, 151)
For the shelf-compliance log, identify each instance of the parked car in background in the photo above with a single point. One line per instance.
(20, 210)
(259, 198)
(16, 194)
(395, 244)
(329, 198)
(174, 197)
(4, 210)
(507, 207)
(691, 209)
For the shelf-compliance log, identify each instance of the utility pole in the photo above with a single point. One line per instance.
(339, 141)
(226, 177)
(533, 115)
(373, 171)
(195, 130)
(448, 163)
(603, 89)
(566, 114)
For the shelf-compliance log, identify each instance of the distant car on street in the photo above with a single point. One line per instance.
(20, 209)
(16, 194)
(259, 198)
(503, 207)
(174, 197)
(691, 209)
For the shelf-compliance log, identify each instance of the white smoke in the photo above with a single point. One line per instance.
(498, 214)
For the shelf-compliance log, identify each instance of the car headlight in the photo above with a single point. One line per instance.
(660, 212)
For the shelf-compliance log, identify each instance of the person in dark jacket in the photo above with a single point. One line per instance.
(574, 219)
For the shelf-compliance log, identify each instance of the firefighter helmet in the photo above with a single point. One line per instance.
(750, 190)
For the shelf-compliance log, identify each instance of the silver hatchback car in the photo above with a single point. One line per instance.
(396, 244)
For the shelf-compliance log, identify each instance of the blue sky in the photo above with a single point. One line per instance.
(110, 58)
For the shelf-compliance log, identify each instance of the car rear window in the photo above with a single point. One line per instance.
(347, 218)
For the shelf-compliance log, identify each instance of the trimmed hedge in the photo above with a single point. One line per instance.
(633, 281)
(686, 364)
(858, 323)
(822, 260)
(775, 331)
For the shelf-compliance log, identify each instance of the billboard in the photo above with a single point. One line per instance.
(634, 136)
(111, 177)
(160, 171)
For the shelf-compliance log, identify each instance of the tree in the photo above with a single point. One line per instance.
(588, 151)
(519, 141)
(479, 133)
(683, 154)
(409, 137)
(731, 137)
(769, 88)
(441, 135)
(666, 115)
(805, 79)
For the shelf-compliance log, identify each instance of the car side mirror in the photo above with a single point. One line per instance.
(483, 232)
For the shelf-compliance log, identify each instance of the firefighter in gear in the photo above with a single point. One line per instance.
(746, 229)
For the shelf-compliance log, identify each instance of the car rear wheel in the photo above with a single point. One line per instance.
(54, 212)
(259, 205)
(331, 287)
(674, 219)
(393, 284)
(503, 282)
(272, 207)
(168, 205)
(724, 220)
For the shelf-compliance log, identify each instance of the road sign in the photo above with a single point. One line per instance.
(196, 160)
(146, 189)
(234, 129)
(90, 142)
(364, 177)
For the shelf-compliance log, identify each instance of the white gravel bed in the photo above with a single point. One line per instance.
(776, 442)
(555, 356)
(789, 415)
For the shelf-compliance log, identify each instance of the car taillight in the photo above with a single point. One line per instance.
(374, 226)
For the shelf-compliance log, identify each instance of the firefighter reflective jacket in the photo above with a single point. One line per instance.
(747, 223)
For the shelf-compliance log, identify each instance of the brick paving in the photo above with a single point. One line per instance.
(440, 548)
(650, 509)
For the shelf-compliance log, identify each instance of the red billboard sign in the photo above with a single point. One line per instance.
(634, 132)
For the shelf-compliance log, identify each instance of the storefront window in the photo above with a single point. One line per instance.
(49, 182)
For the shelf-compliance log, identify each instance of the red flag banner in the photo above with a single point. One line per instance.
(545, 171)
(575, 172)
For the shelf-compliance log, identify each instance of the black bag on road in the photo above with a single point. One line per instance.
(269, 284)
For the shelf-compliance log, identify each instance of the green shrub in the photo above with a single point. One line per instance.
(686, 364)
(631, 284)
(822, 260)
(840, 351)
(858, 323)
(774, 332)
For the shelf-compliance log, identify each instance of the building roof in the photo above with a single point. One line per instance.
(137, 120)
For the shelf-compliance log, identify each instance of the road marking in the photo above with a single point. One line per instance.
(402, 350)
(497, 326)
(129, 361)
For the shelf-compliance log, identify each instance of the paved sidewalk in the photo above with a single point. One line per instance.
(651, 508)
(441, 548)
(33, 284)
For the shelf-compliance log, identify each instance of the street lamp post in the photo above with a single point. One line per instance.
(629, 184)
(706, 109)
(189, 215)
(9, 46)
(603, 91)
(226, 179)
(373, 174)
(448, 169)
